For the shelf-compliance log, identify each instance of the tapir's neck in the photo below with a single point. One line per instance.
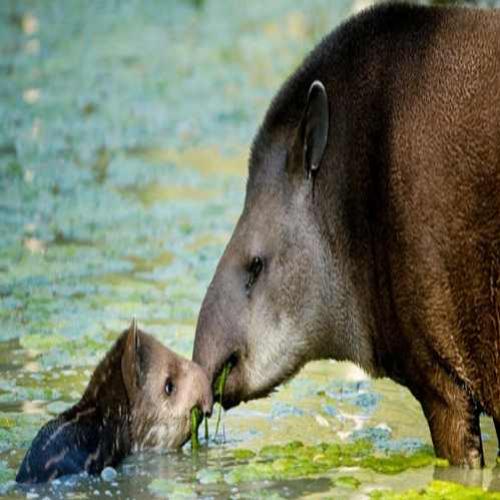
(349, 257)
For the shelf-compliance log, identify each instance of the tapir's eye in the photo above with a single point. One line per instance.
(169, 386)
(254, 270)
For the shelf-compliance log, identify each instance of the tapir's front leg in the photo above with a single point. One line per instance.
(454, 423)
(497, 429)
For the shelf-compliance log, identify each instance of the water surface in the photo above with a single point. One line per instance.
(124, 133)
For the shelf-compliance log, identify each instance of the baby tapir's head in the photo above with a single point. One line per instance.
(140, 396)
(162, 389)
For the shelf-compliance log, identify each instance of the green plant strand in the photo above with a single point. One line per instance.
(220, 384)
(196, 418)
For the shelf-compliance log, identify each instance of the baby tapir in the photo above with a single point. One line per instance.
(140, 396)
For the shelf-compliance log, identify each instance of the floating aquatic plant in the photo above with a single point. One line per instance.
(294, 460)
(438, 490)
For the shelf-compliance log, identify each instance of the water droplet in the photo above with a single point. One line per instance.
(108, 474)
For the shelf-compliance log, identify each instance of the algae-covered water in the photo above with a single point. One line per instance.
(124, 132)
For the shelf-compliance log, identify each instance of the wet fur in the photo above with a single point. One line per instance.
(123, 410)
(89, 436)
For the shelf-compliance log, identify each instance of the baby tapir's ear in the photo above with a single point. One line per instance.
(133, 361)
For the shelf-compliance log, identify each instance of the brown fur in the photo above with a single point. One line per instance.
(393, 261)
(124, 409)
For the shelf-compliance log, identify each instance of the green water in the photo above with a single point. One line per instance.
(124, 132)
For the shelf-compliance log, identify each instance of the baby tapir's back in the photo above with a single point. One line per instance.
(70, 444)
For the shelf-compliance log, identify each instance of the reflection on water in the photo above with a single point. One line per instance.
(124, 134)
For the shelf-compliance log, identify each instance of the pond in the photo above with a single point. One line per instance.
(124, 133)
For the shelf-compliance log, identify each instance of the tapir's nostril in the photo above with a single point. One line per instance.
(206, 407)
(207, 402)
(232, 360)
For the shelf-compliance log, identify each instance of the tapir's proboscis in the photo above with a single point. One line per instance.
(371, 225)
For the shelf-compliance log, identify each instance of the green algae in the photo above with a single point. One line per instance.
(396, 463)
(196, 418)
(35, 392)
(208, 160)
(243, 454)
(276, 450)
(42, 342)
(438, 490)
(166, 488)
(7, 422)
(220, 384)
(296, 460)
(347, 482)
(142, 264)
(45, 343)
(20, 434)
(6, 473)
(153, 193)
(441, 462)
(209, 476)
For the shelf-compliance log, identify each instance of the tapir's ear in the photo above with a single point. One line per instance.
(132, 365)
(315, 127)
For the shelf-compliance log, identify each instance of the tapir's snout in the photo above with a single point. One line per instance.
(199, 387)
(206, 400)
(217, 343)
(220, 330)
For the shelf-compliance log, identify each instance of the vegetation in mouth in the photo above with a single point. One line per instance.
(220, 384)
(196, 418)
(197, 415)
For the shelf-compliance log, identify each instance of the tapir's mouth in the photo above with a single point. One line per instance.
(227, 395)
(237, 389)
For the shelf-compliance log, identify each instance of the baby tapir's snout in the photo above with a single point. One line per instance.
(201, 388)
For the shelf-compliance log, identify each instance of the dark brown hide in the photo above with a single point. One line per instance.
(393, 261)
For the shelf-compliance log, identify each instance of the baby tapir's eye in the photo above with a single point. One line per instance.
(169, 386)
(254, 269)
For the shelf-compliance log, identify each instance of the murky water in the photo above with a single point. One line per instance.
(124, 131)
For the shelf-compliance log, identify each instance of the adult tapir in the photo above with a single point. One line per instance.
(371, 225)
